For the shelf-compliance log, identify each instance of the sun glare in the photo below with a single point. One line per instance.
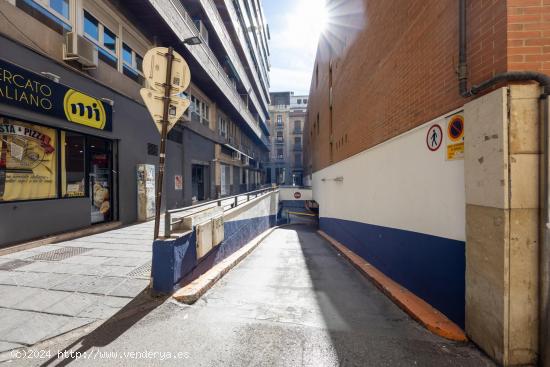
(308, 20)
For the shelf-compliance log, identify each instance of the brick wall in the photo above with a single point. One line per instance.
(397, 70)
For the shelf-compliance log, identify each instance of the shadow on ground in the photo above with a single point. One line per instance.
(363, 324)
(142, 305)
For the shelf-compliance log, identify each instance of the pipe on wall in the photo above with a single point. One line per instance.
(544, 248)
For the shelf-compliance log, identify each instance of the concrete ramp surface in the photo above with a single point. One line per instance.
(293, 302)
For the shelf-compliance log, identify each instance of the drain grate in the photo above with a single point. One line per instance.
(143, 271)
(12, 265)
(60, 253)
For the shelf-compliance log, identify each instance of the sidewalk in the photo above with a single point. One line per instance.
(49, 290)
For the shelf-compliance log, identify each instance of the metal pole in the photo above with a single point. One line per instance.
(163, 134)
(544, 250)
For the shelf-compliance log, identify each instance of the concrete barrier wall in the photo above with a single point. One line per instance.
(401, 206)
(175, 260)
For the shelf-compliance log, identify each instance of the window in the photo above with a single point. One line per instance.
(279, 120)
(279, 154)
(53, 13)
(299, 101)
(279, 136)
(205, 113)
(222, 127)
(297, 159)
(131, 63)
(73, 177)
(103, 38)
(297, 125)
(28, 161)
(305, 101)
(297, 140)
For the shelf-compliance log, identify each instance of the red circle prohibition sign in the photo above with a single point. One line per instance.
(434, 137)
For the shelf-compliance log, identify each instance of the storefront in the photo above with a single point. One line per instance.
(69, 149)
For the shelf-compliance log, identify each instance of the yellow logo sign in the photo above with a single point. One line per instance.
(84, 110)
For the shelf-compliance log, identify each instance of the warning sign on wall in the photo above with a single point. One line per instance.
(455, 137)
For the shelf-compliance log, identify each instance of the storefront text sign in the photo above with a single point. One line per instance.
(24, 89)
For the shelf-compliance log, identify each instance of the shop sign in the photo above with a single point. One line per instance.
(24, 89)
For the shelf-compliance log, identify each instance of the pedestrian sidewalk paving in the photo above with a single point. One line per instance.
(49, 290)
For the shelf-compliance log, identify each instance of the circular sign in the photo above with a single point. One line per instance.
(297, 195)
(434, 138)
(455, 128)
(155, 65)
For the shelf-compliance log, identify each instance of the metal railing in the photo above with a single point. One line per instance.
(172, 218)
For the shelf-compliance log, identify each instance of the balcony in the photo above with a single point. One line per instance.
(279, 140)
(177, 18)
(220, 29)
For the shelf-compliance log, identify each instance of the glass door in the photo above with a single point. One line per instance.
(100, 168)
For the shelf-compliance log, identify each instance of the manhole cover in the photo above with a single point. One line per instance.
(14, 264)
(60, 253)
(143, 271)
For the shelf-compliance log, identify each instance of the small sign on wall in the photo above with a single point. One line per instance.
(434, 137)
(455, 137)
(178, 182)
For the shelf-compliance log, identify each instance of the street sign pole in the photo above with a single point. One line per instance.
(163, 135)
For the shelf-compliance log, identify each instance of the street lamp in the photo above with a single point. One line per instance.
(192, 41)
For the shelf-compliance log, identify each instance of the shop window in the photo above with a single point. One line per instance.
(103, 37)
(28, 161)
(55, 14)
(73, 167)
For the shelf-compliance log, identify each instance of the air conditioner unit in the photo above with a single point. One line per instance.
(78, 48)
(202, 29)
(237, 156)
(246, 160)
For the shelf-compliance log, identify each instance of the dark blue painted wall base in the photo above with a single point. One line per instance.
(431, 267)
(175, 261)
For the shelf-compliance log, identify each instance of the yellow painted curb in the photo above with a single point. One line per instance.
(417, 308)
(194, 290)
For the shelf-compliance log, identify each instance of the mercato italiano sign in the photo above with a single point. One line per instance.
(24, 89)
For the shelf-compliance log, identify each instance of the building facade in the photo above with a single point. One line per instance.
(74, 127)
(287, 113)
(430, 179)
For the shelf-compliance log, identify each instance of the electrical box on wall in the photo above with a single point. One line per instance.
(204, 238)
(217, 230)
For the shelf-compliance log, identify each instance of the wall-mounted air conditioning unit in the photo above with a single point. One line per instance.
(202, 29)
(79, 49)
(246, 160)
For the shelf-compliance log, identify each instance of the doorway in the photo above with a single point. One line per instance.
(197, 182)
(100, 173)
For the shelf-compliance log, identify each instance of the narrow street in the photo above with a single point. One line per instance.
(279, 307)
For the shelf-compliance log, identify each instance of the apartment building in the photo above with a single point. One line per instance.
(74, 127)
(287, 113)
(423, 147)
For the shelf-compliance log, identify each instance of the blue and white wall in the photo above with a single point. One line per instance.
(402, 208)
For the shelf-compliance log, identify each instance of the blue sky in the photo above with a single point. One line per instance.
(294, 27)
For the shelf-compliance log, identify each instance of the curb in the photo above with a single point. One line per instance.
(418, 309)
(194, 290)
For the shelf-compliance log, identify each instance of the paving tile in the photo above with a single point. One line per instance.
(21, 254)
(130, 288)
(102, 285)
(106, 308)
(74, 304)
(115, 253)
(85, 260)
(11, 295)
(41, 300)
(35, 280)
(74, 283)
(130, 261)
(39, 326)
(5, 346)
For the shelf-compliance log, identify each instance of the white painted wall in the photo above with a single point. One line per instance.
(399, 184)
